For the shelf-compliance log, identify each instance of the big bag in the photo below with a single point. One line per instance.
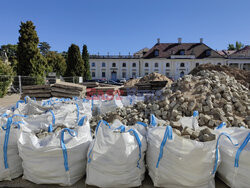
(116, 156)
(10, 162)
(59, 158)
(174, 161)
(234, 169)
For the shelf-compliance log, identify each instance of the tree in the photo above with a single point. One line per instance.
(57, 62)
(44, 48)
(238, 46)
(85, 57)
(75, 65)
(11, 51)
(30, 61)
(5, 78)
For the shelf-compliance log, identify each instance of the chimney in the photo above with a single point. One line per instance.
(179, 40)
(158, 41)
(201, 40)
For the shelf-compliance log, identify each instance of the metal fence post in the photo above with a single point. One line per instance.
(20, 84)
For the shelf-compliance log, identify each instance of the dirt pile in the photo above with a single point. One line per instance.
(147, 79)
(242, 76)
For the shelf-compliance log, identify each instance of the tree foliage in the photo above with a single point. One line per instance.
(57, 62)
(237, 46)
(5, 78)
(44, 48)
(11, 51)
(30, 61)
(75, 65)
(85, 57)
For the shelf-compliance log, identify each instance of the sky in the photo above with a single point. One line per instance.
(127, 25)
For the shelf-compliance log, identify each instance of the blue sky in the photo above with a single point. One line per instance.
(127, 25)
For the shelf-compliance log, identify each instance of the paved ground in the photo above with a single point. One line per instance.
(19, 182)
(8, 101)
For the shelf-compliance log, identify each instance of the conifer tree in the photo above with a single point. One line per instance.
(30, 60)
(75, 65)
(85, 57)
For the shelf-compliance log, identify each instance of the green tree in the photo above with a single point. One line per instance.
(5, 78)
(75, 65)
(237, 46)
(44, 48)
(11, 51)
(30, 60)
(85, 57)
(57, 62)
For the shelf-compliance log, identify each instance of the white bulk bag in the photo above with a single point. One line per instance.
(174, 161)
(116, 157)
(59, 158)
(130, 100)
(110, 104)
(234, 169)
(10, 162)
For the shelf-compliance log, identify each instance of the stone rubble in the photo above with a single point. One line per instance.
(215, 95)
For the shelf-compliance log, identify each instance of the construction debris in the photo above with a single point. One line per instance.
(217, 97)
(60, 90)
(242, 76)
(67, 90)
(147, 79)
(37, 91)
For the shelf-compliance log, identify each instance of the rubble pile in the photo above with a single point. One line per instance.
(242, 76)
(217, 97)
(154, 76)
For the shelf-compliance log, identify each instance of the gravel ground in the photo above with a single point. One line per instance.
(19, 182)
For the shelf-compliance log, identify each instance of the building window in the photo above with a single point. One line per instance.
(167, 74)
(113, 64)
(93, 74)
(134, 74)
(219, 64)
(167, 64)
(156, 53)
(182, 65)
(134, 65)
(124, 75)
(182, 74)
(197, 64)
(146, 73)
(124, 65)
(156, 65)
(146, 64)
(103, 74)
(208, 52)
(103, 64)
(93, 64)
(182, 52)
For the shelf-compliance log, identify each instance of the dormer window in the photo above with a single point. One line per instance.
(156, 53)
(182, 52)
(208, 52)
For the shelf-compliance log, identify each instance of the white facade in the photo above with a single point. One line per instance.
(112, 69)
